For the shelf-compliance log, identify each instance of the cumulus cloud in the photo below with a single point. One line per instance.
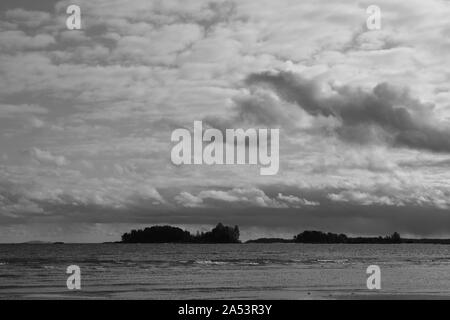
(13, 40)
(363, 198)
(46, 157)
(240, 198)
(384, 114)
(188, 200)
(296, 201)
(149, 192)
(243, 196)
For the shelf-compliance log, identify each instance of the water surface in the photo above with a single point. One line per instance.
(235, 271)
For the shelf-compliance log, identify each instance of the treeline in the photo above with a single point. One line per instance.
(169, 234)
(328, 237)
(226, 234)
(322, 237)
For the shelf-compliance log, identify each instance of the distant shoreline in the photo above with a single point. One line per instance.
(251, 241)
(357, 240)
(230, 235)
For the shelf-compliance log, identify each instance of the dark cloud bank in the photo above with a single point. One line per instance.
(385, 114)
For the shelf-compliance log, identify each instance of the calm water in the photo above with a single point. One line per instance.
(186, 271)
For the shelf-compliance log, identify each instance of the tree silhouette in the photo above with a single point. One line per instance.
(157, 234)
(168, 234)
(320, 237)
(395, 237)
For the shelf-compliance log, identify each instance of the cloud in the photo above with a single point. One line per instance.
(28, 18)
(14, 40)
(295, 201)
(9, 111)
(46, 157)
(384, 114)
(363, 198)
(21, 206)
(240, 198)
(188, 200)
(148, 192)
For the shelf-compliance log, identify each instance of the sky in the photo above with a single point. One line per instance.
(86, 117)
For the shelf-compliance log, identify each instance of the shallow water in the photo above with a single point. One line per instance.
(200, 271)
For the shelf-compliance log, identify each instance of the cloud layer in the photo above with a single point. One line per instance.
(86, 115)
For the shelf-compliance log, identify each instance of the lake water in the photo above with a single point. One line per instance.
(203, 271)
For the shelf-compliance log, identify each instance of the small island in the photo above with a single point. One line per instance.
(228, 234)
(169, 234)
(322, 237)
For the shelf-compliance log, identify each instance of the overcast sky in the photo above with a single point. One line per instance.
(86, 116)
